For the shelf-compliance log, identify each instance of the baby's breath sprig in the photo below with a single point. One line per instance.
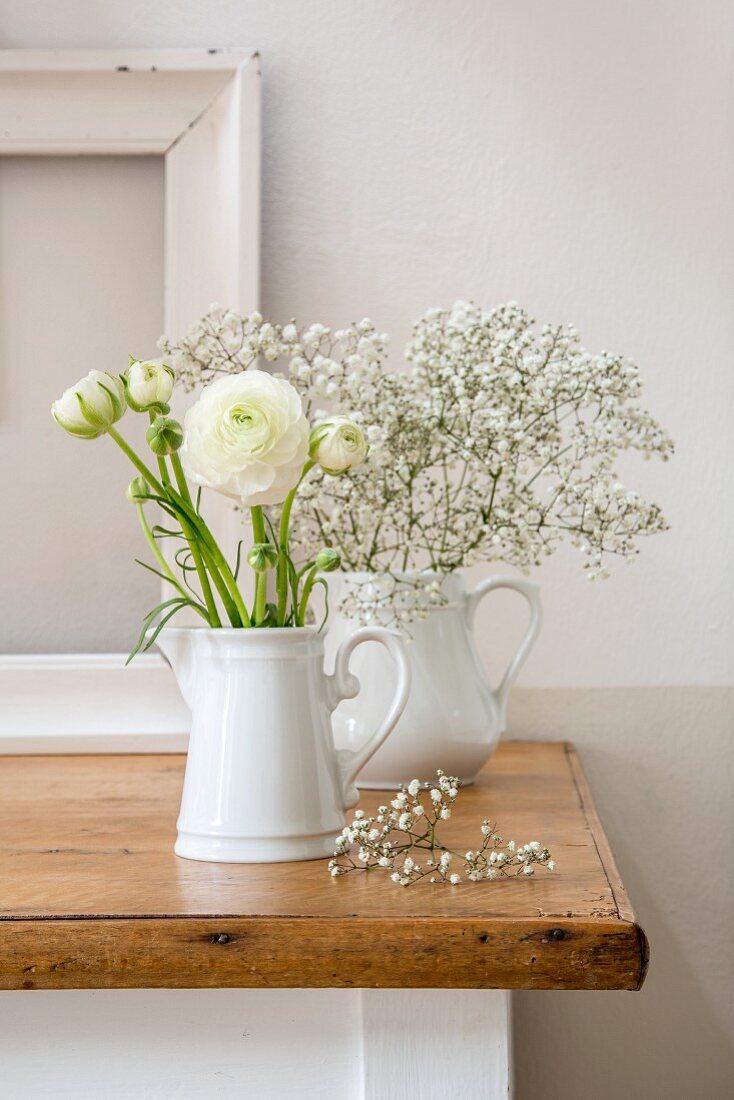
(396, 838)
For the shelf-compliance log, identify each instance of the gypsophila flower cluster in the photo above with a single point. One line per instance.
(337, 369)
(402, 840)
(499, 443)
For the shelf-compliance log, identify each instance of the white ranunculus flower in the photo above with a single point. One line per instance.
(247, 437)
(148, 384)
(89, 408)
(338, 445)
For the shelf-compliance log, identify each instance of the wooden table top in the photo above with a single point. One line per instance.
(92, 896)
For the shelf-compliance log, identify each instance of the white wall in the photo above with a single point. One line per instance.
(576, 157)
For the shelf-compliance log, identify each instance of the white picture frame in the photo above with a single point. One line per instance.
(200, 111)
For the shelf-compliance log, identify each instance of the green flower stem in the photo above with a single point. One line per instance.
(261, 581)
(306, 595)
(282, 572)
(162, 467)
(225, 595)
(199, 537)
(137, 462)
(167, 494)
(216, 562)
(215, 555)
(164, 566)
(193, 543)
(212, 613)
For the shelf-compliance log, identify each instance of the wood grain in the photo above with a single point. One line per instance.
(91, 894)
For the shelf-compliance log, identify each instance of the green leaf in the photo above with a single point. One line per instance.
(271, 615)
(186, 563)
(293, 581)
(179, 600)
(324, 584)
(164, 620)
(163, 533)
(237, 560)
(152, 569)
(271, 527)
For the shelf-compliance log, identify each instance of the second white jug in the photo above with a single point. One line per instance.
(453, 719)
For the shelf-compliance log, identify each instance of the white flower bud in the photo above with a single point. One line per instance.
(165, 435)
(138, 491)
(89, 408)
(148, 385)
(327, 560)
(263, 556)
(338, 445)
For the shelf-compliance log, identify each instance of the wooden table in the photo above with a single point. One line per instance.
(92, 896)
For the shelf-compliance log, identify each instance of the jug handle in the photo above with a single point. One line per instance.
(343, 685)
(531, 592)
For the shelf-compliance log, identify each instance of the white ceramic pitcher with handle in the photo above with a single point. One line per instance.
(453, 719)
(264, 782)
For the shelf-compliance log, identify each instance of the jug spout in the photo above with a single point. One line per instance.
(177, 646)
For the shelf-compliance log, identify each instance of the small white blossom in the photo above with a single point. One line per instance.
(404, 832)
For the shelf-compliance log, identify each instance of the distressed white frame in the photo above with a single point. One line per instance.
(200, 110)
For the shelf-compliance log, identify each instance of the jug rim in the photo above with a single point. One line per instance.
(399, 574)
(240, 631)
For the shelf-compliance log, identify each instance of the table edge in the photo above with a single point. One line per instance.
(302, 952)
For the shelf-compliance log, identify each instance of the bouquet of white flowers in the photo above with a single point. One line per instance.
(497, 444)
(247, 437)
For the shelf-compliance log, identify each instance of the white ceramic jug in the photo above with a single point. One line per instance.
(453, 719)
(264, 782)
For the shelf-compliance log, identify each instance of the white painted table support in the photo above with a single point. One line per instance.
(217, 1044)
(435, 1043)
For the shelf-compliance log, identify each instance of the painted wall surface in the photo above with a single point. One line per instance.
(576, 158)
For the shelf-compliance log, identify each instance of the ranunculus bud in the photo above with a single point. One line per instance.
(138, 491)
(89, 408)
(338, 445)
(327, 560)
(165, 435)
(263, 556)
(148, 385)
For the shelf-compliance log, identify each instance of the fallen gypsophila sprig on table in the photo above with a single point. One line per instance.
(407, 828)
